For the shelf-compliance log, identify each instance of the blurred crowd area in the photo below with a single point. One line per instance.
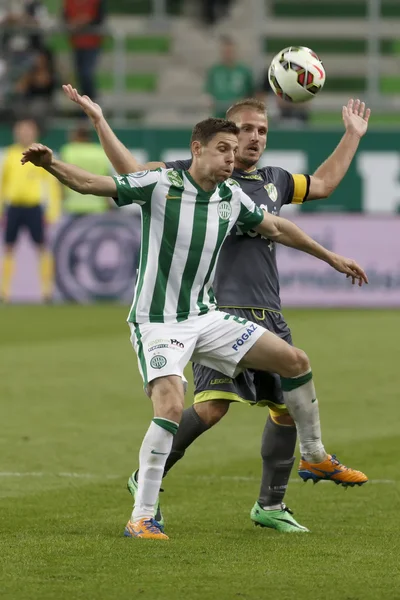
(155, 64)
(31, 72)
(173, 62)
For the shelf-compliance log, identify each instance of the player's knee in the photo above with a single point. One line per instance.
(212, 411)
(167, 395)
(296, 363)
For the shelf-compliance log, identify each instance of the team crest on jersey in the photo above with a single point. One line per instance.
(175, 178)
(139, 174)
(271, 191)
(224, 210)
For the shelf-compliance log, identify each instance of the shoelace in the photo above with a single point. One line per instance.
(153, 525)
(286, 509)
(337, 463)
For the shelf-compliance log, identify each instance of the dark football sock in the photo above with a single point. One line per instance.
(277, 449)
(190, 428)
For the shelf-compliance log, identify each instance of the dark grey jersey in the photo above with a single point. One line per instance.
(247, 273)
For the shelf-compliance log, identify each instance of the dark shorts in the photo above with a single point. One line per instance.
(251, 387)
(20, 217)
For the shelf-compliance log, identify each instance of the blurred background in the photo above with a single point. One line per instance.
(157, 67)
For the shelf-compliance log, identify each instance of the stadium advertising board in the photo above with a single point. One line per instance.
(96, 260)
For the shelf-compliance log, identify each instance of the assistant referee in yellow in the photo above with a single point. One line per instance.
(29, 199)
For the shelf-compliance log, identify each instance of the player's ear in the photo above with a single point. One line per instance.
(196, 148)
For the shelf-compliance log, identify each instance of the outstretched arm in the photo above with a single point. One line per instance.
(287, 233)
(118, 155)
(328, 176)
(70, 175)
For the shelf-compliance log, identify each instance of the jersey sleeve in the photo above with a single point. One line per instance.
(182, 165)
(136, 188)
(293, 189)
(250, 214)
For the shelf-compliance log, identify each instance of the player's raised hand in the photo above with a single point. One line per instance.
(356, 116)
(350, 268)
(93, 110)
(39, 155)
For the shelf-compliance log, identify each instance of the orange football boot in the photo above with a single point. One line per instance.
(145, 528)
(331, 470)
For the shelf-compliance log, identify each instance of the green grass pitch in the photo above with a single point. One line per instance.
(73, 414)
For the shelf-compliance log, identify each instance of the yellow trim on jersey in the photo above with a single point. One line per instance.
(300, 189)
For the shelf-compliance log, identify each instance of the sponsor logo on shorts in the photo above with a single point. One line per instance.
(177, 343)
(157, 347)
(220, 381)
(156, 344)
(172, 344)
(158, 362)
(243, 338)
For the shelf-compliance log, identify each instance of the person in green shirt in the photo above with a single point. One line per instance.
(82, 151)
(229, 80)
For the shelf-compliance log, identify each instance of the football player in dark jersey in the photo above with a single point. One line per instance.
(239, 292)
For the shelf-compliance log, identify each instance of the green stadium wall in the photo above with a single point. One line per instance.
(371, 185)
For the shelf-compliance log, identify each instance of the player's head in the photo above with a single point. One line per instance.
(213, 144)
(227, 50)
(26, 132)
(250, 116)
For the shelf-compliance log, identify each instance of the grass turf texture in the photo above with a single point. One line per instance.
(72, 403)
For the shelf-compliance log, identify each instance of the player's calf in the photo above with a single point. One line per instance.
(167, 397)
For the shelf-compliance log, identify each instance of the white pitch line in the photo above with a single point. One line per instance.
(11, 474)
(67, 475)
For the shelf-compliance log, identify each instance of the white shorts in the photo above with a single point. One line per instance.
(216, 340)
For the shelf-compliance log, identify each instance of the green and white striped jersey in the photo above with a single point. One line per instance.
(183, 229)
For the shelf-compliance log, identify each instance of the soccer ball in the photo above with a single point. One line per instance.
(296, 74)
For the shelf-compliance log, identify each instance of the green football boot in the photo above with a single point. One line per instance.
(132, 488)
(280, 519)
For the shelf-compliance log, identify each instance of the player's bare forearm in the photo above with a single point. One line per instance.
(81, 181)
(118, 154)
(328, 176)
(287, 233)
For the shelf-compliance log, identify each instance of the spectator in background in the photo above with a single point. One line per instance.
(28, 197)
(80, 18)
(37, 88)
(229, 80)
(279, 109)
(23, 25)
(24, 55)
(88, 155)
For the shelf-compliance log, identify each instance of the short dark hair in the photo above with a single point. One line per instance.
(252, 103)
(204, 131)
